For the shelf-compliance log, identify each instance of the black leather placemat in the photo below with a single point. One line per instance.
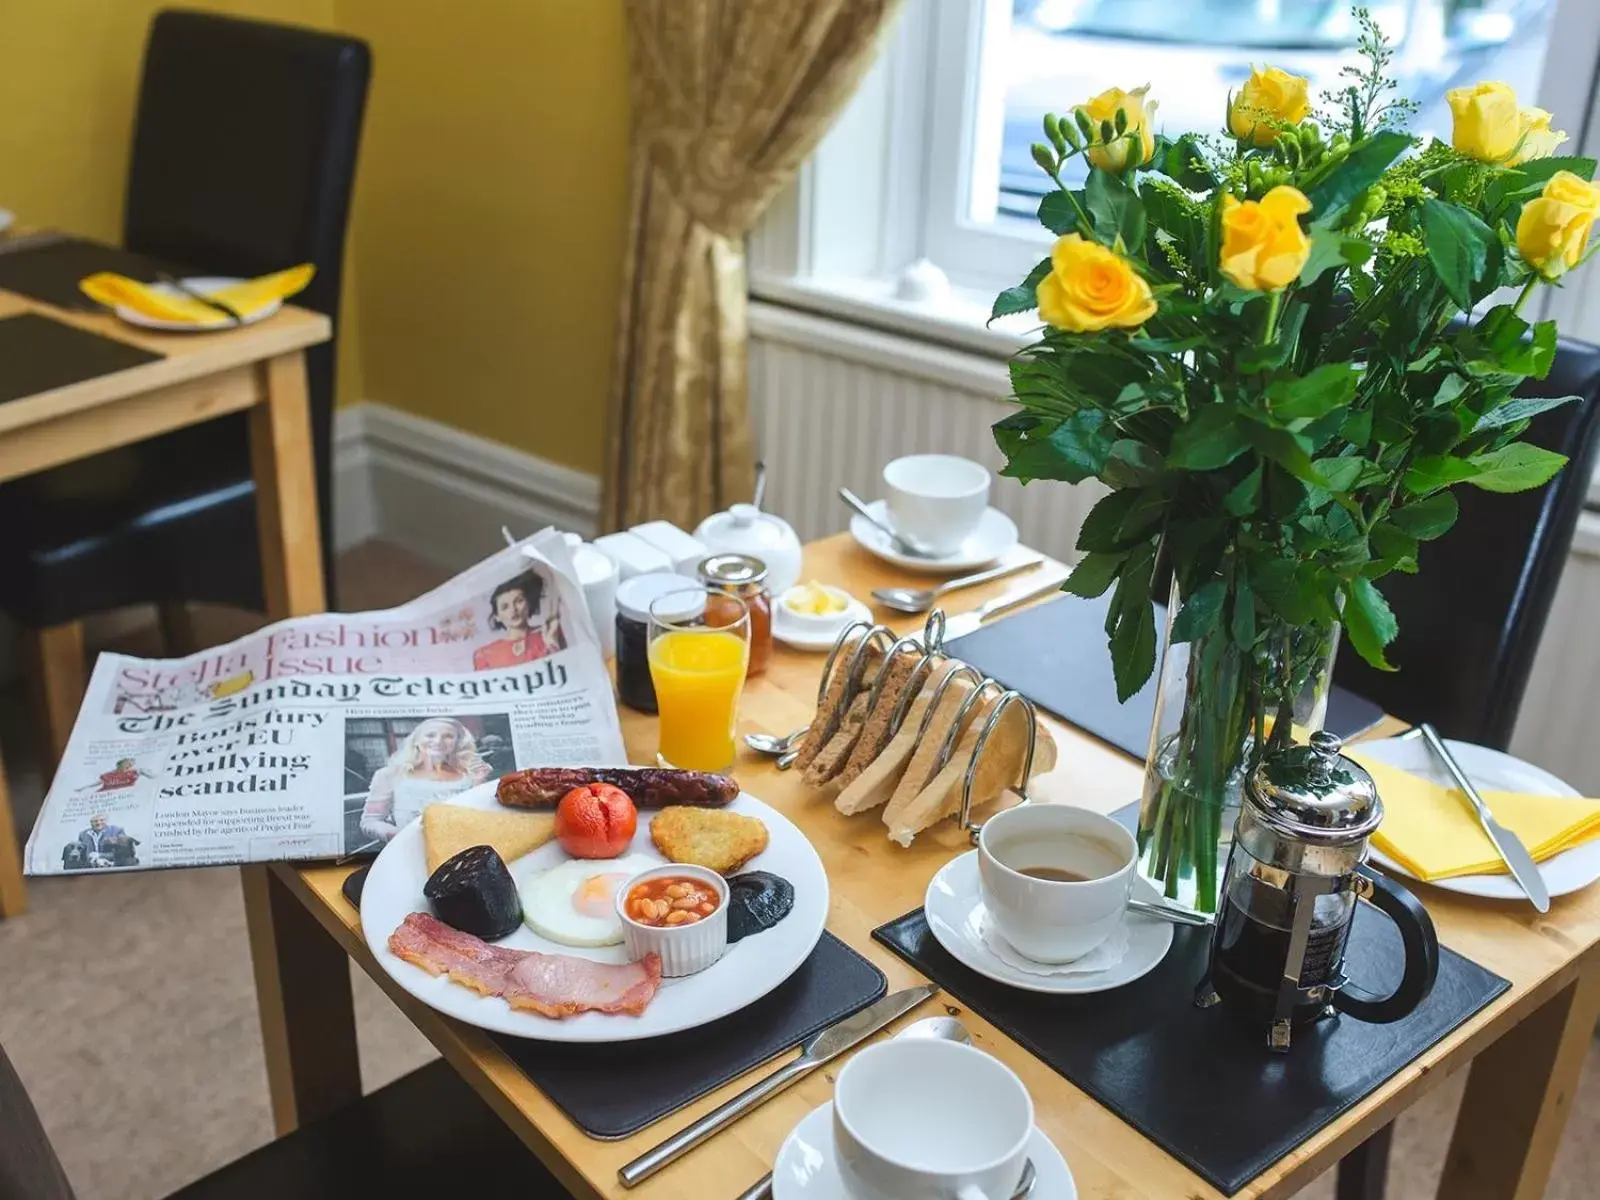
(38, 354)
(1055, 654)
(49, 271)
(612, 1090)
(1201, 1083)
(615, 1089)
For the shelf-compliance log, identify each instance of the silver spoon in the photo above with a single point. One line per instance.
(1168, 912)
(944, 1029)
(761, 485)
(920, 600)
(899, 540)
(768, 743)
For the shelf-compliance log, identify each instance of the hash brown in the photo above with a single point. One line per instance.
(706, 837)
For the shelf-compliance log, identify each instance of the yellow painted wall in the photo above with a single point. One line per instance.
(488, 221)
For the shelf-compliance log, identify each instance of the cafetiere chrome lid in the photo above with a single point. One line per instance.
(1314, 794)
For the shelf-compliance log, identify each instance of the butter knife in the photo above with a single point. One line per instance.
(817, 1050)
(968, 622)
(1523, 869)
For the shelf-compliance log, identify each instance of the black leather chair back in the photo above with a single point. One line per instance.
(243, 159)
(1471, 619)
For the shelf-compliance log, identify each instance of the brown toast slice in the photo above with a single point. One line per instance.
(876, 783)
(998, 769)
(832, 700)
(837, 748)
(875, 734)
(925, 756)
(448, 829)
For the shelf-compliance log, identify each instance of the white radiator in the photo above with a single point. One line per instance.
(834, 401)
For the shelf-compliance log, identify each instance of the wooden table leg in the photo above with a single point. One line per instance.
(302, 975)
(1519, 1092)
(13, 896)
(308, 1020)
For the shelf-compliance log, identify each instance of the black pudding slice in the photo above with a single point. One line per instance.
(757, 900)
(474, 892)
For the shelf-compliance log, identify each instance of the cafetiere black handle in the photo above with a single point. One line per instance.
(1422, 956)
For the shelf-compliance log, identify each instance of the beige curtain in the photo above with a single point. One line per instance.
(729, 97)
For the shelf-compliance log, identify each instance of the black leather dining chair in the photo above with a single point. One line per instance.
(1471, 618)
(244, 153)
(424, 1136)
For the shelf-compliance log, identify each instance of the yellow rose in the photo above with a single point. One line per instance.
(1269, 100)
(1090, 288)
(1114, 155)
(1553, 231)
(1263, 246)
(1488, 123)
(1538, 140)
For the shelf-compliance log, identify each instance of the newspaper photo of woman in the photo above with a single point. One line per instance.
(437, 760)
(513, 609)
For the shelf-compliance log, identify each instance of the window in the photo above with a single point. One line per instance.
(921, 200)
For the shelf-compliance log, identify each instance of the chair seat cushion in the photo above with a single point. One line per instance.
(427, 1135)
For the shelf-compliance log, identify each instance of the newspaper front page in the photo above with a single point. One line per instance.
(320, 737)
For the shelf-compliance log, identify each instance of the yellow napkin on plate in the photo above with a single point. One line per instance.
(246, 297)
(1433, 832)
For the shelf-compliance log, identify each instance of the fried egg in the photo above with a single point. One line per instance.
(575, 903)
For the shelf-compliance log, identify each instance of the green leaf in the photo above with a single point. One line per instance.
(1245, 495)
(1132, 624)
(1519, 408)
(1099, 528)
(1213, 438)
(1073, 451)
(1340, 473)
(1393, 550)
(1289, 450)
(1200, 612)
(1358, 171)
(1243, 625)
(1115, 210)
(1434, 471)
(1131, 464)
(1023, 297)
(1057, 214)
(1429, 518)
(1368, 621)
(1529, 178)
(1094, 573)
(1515, 468)
(1357, 427)
(1183, 162)
(1328, 387)
(1465, 252)
(1331, 249)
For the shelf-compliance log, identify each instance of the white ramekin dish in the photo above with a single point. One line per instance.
(817, 623)
(684, 949)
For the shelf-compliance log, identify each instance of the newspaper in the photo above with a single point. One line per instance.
(320, 737)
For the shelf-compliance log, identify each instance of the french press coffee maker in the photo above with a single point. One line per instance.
(1294, 875)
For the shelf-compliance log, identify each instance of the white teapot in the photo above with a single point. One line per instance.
(745, 529)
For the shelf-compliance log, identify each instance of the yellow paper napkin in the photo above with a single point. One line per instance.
(1432, 831)
(245, 298)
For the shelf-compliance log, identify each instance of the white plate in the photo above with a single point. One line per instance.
(1489, 770)
(806, 1168)
(787, 630)
(749, 970)
(996, 533)
(953, 906)
(205, 285)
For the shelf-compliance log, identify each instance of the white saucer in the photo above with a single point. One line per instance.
(806, 1168)
(788, 631)
(1494, 771)
(206, 285)
(954, 908)
(996, 533)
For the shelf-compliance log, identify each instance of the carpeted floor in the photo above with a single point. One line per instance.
(127, 1005)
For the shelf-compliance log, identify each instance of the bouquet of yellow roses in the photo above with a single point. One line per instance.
(1255, 340)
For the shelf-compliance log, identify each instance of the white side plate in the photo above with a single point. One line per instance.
(205, 285)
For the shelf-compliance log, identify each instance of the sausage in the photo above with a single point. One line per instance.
(647, 787)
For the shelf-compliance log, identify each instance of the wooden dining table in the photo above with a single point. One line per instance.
(1524, 1051)
(197, 377)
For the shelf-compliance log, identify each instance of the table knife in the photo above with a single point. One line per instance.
(968, 622)
(179, 285)
(1523, 869)
(818, 1049)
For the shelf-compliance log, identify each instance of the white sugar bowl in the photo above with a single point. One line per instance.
(745, 529)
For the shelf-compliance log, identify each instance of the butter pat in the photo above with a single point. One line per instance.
(633, 555)
(815, 600)
(684, 551)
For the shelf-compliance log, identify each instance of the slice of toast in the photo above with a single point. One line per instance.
(925, 756)
(837, 748)
(999, 768)
(876, 783)
(832, 700)
(448, 829)
(875, 734)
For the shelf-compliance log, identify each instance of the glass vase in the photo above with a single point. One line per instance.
(1220, 706)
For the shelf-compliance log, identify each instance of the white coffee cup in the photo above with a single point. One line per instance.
(1052, 920)
(917, 1119)
(936, 500)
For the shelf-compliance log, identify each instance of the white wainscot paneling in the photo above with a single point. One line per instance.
(833, 402)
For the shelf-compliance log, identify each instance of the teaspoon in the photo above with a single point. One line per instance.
(920, 600)
(897, 539)
(767, 743)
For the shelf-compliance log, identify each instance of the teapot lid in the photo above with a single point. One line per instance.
(1315, 793)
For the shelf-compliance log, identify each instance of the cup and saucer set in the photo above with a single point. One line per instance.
(937, 504)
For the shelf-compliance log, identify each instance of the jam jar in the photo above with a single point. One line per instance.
(745, 577)
(634, 596)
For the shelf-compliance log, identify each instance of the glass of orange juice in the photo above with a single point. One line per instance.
(697, 663)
